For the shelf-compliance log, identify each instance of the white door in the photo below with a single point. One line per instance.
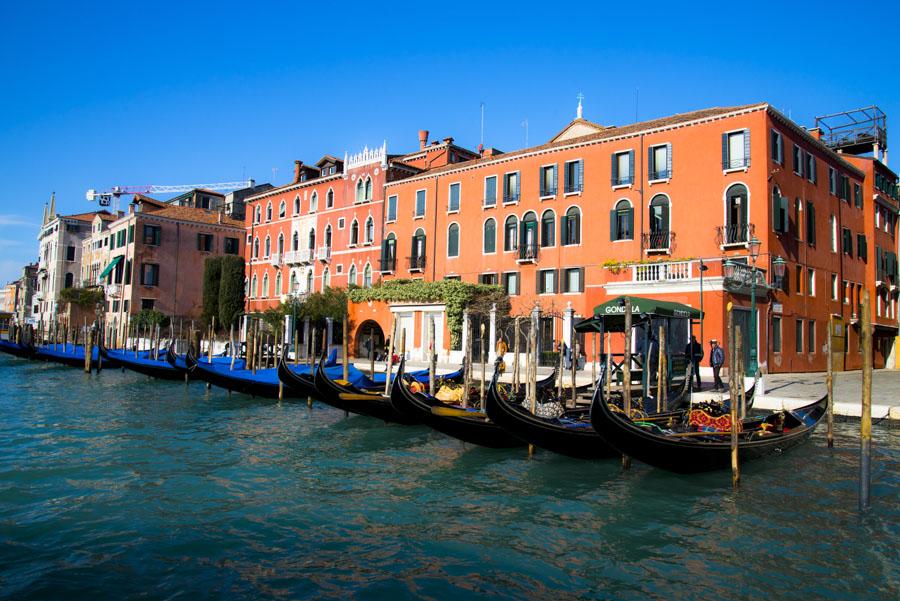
(438, 334)
(405, 324)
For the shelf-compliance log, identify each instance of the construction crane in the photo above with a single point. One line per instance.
(105, 199)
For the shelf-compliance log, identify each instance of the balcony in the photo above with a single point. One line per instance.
(324, 254)
(657, 242)
(299, 257)
(734, 235)
(673, 271)
(275, 259)
(417, 263)
(527, 253)
(388, 265)
(113, 290)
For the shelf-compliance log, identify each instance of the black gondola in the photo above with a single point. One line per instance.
(468, 426)
(71, 355)
(263, 383)
(23, 351)
(155, 368)
(347, 397)
(691, 452)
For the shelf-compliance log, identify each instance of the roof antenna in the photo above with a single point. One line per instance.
(482, 123)
(579, 110)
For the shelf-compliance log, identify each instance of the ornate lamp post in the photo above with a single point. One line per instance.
(754, 255)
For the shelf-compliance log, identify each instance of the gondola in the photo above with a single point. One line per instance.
(347, 397)
(143, 363)
(692, 452)
(465, 424)
(23, 351)
(70, 354)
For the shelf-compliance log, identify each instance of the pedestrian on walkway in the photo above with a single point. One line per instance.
(694, 352)
(716, 360)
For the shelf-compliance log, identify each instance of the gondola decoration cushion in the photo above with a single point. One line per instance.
(706, 422)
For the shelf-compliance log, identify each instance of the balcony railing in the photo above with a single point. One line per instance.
(416, 263)
(622, 180)
(297, 257)
(324, 254)
(662, 272)
(657, 241)
(548, 191)
(734, 234)
(572, 188)
(660, 174)
(510, 197)
(736, 163)
(527, 253)
(275, 259)
(389, 265)
(113, 290)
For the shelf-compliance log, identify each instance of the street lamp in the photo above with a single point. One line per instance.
(778, 267)
(754, 255)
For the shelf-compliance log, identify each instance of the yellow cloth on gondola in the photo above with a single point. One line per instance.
(449, 394)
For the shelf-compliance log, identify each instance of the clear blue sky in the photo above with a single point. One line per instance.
(135, 93)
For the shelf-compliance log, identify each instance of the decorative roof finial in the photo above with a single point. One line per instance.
(578, 111)
(53, 205)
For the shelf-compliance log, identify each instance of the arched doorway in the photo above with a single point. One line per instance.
(368, 330)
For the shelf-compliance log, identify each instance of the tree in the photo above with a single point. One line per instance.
(231, 290)
(151, 317)
(86, 298)
(212, 280)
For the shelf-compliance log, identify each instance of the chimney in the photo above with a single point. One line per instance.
(423, 139)
(297, 166)
(448, 140)
(251, 183)
(815, 132)
(481, 150)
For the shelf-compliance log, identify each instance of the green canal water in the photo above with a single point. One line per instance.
(117, 486)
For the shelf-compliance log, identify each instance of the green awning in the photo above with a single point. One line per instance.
(610, 316)
(110, 267)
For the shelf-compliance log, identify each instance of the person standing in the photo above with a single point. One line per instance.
(694, 352)
(716, 360)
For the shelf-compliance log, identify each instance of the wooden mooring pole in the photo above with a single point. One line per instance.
(829, 384)
(735, 382)
(344, 349)
(865, 417)
(626, 374)
(389, 360)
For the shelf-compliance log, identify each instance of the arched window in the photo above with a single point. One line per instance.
(548, 229)
(570, 226)
(528, 235)
(329, 198)
(354, 232)
(360, 190)
(326, 279)
(293, 283)
(351, 276)
(256, 247)
(70, 280)
(257, 214)
(295, 241)
(328, 235)
(254, 287)
(417, 258)
(278, 284)
(282, 210)
(309, 281)
(368, 188)
(621, 218)
(268, 247)
(389, 253)
(659, 222)
(509, 233)
(314, 202)
(370, 230)
(736, 211)
(265, 292)
(269, 211)
(280, 244)
(453, 240)
(490, 236)
(367, 276)
(297, 205)
(312, 239)
(247, 287)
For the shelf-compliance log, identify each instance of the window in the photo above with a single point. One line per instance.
(311, 239)
(798, 334)
(147, 304)
(328, 236)
(329, 198)
(511, 187)
(453, 198)
(799, 279)
(205, 242)
(370, 230)
(269, 211)
(280, 246)
(367, 276)
(297, 205)
(511, 283)
(857, 196)
(326, 279)
(490, 237)
(293, 283)
(573, 279)
(570, 227)
(256, 248)
(844, 189)
(799, 159)
(810, 223)
(777, 147)
(659, 165)
(546, 281)
(360, 190)
(265, 290)
(574, 177)
(127, 272)
(149, 274)
(622, 168)
(834, 287)
(621, 221)
(268, 247)
(488, 279)
(780, 219)
(389, 253)
(811, 168)
(278, 284)
(548, 181)
(351, 276)
(811, 336)
(736, 211)
(810, 281)
(847, 242)
(152, 235)
(862, 247)
(776, 334)
(354, 233)
(257, 214)
(510, 229)
(834, 235)
(254, 287)
(659, 222)
(295, 240)
(69, 280)
(120, 238)
(131, 233)
(368, 192)
(736, 149)
(832, 181)
(490, 191)
(309, 281)
(282, 210)
(420, 203)
(392, 208)
(70, 253)
(548, 229)
(453, 240)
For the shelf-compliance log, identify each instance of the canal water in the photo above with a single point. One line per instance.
(117, 486)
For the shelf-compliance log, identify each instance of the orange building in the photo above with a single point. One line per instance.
(662, 209)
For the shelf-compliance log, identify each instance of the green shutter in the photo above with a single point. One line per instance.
(725, 162)
(615, 170)
(630, 222)
(613, 234)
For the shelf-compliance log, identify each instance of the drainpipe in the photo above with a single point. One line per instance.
(434, 237)
(641, 192)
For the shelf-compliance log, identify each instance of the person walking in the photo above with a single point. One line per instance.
(716, 360)
(694, 352)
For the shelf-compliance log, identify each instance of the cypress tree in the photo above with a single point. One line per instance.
(231, 290)
(212, 275)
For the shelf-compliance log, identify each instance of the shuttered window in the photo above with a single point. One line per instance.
(810, 223)
(574, 177)
(736, 149)
(660, 162)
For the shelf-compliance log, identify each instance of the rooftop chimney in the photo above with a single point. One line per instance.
(297, 166)
(481, 150)
(448, 140)
(423, 138)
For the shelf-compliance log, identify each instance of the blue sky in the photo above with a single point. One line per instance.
(129, 94)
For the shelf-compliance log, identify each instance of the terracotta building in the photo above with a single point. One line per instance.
(718, 199)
